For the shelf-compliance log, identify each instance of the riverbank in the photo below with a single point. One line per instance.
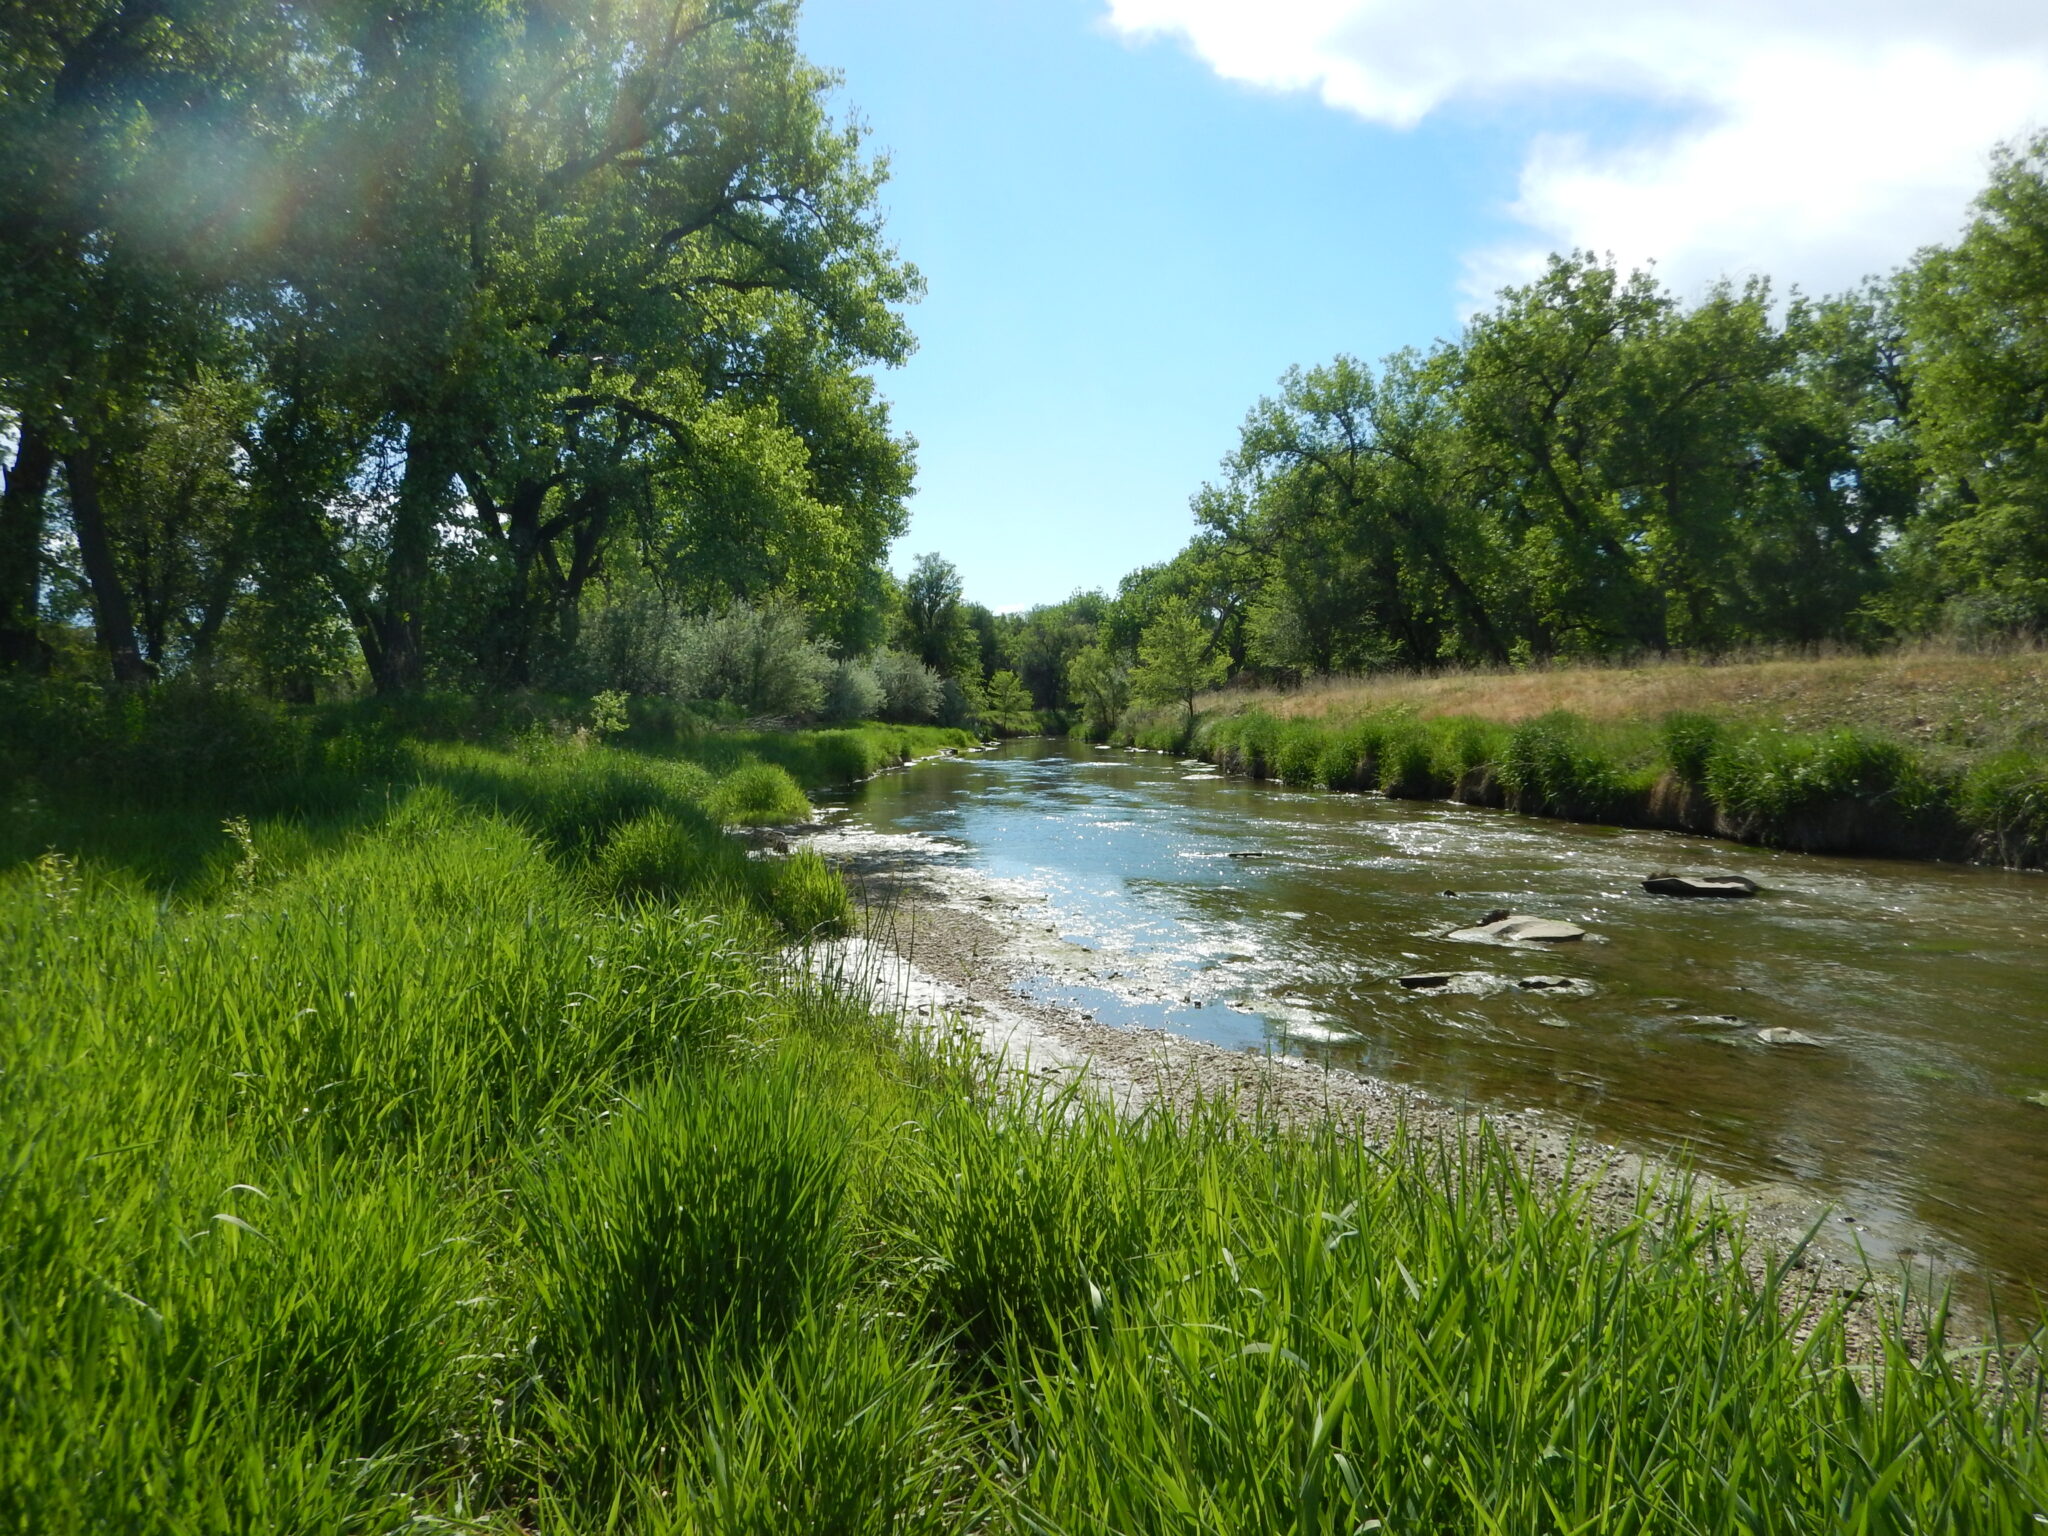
(953, 949)
(474, 1158)
(1914, 756)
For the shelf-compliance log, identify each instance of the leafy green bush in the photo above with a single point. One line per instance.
(1766, 779)
(761, 661)
(1297, 753)
(853, 692)
(910, 689)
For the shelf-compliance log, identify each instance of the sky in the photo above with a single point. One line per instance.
(1132, 216)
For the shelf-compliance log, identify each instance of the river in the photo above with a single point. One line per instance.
(1252, 914)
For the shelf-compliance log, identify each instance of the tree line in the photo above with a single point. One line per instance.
(1596, 469)
(457, 343)
(351, 340)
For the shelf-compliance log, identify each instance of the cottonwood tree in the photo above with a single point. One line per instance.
(1177, 660)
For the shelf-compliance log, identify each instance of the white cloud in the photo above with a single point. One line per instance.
(1821, 139)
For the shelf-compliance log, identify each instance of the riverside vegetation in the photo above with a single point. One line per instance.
(1717, 757)
(412, 1116)
(415, 1132)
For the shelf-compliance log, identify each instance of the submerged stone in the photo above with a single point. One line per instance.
(1779, 1035)
(1701, 885)
(1521, 930)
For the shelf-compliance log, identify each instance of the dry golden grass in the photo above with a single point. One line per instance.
(1972, 701)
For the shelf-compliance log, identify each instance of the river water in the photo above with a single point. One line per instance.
(1252, 914)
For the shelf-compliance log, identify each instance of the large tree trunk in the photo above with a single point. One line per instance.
(21, 548)
(113, 615)
(397, 658)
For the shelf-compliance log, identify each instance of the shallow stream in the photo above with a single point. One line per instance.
(1254, 915)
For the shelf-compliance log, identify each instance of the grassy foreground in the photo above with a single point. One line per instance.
(454, 1150)
(1934, 755)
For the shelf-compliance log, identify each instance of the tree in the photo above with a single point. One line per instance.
(1177, 660)
(1006, 706)
(934, 623)
(1977, 327)
(1099, 680)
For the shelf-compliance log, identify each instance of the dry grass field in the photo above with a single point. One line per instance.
(1967, 702)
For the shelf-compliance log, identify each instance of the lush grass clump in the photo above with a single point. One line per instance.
(759, 795)
(460, 1163)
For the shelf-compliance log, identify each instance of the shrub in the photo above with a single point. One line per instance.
(2004, 802)
(1767, 778)
(759, 795)
(1297, 753)
(853, 693)
(759, 660)
(1407, 761)
(910, 689)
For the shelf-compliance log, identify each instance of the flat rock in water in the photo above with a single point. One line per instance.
(1781, 1036)
(1700, 885)
(2040, 1098)
(1464, 983)
(1521, 930)
(1553, 984)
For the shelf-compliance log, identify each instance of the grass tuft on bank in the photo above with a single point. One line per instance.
(471, 1157)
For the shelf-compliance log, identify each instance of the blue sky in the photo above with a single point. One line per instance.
(1134, 215)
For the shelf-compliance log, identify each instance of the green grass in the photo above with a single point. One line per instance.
(470, 1160)
(1840, 790)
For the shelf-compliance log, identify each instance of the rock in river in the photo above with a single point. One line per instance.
(1520, 930)
(1700, 885)
(1464, 983)
(1781, 1036)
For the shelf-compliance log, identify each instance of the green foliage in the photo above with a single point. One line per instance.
(1978, 321)
(1100, 682)
(1768, 781)
(909, 688)
(853, 693)
(1177, 659)
(758, 660)
(664, 856)
(1006, 708)
(2005, 803)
